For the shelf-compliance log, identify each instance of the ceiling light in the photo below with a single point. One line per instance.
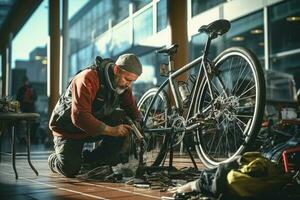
(238, 38)
(293, 18)
(256, 31)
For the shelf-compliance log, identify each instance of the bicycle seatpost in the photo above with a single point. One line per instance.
(170, 63)
(207, 46)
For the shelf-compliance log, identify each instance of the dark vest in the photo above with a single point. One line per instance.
(106, 101)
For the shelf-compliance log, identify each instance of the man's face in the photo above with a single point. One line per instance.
(123, 79)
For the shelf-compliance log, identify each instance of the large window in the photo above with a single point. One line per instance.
(284, 26)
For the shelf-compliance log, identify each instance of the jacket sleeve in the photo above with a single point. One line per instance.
(128, 103)
(84, 89)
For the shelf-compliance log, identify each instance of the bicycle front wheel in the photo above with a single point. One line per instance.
(156, 143)
(233, 109)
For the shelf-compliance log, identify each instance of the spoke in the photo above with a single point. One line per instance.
(212, 141)
(214, 137)
(227, 141)
(250, 106)
(247, 86)
(247, 91)
(240, 126)
(243, 79)
(234, 136)
(218, 145)
(240, 120)
(216, 89)
(206, 109)
(222, 85)
(240, 73)
(247, 97)
(244, 116)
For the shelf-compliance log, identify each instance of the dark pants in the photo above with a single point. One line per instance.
(68, 158)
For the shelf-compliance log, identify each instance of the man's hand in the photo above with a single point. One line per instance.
(121, 130)
(138, 125)
(188, 187)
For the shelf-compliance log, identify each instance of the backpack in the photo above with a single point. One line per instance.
(28, 95)
(256, 176)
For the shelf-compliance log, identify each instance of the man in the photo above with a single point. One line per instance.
(86, 111)
(26, 95)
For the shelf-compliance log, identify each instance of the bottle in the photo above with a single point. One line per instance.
(184, 92)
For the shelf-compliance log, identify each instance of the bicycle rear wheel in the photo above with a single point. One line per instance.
(233, 117)
(156, 143)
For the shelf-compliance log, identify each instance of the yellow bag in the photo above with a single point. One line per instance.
(256, 176)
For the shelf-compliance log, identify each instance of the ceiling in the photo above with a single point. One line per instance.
(13, 15)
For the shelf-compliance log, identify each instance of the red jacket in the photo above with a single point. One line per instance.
(85, 87)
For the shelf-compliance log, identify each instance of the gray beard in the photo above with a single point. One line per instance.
(120, 90)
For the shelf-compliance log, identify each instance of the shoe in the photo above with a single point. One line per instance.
(51, 160)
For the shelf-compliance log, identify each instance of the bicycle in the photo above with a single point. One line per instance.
(222, 110)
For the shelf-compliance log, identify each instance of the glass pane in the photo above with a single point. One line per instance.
(148, 78)
(245, 32)
(200, 6)
(104, 45)
(143, 25)
(162, 15)
(284, 26)
(29, 59)
(120, 10)
(284, 20)
(138, 4)
(289, 64)
(120, 39)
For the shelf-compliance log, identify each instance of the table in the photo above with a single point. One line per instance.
(12, 119)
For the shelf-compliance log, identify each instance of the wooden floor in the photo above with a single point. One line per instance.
(48, 185)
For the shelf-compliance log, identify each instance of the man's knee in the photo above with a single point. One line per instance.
(69, 167)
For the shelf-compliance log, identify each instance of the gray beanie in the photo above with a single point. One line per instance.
(130, 63)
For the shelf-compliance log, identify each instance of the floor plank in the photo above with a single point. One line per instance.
(49, 185)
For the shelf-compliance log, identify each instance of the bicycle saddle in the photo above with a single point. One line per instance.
(170, 50)
(216, 28)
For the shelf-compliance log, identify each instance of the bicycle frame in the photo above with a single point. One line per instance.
(171, 80)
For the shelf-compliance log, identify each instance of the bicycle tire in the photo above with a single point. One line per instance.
(157, 144)
(217, 142)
